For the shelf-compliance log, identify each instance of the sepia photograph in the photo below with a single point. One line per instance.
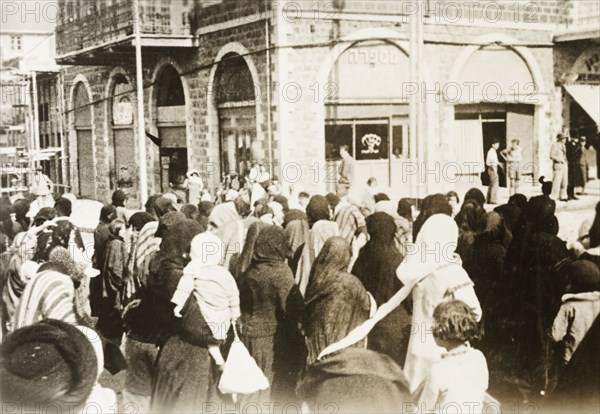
(300, 206)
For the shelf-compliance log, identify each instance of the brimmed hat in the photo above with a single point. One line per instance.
(50, 362)
(585, 276)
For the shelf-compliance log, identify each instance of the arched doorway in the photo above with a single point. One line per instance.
(581, 107)
(367, 110)
(83, 134)
(236, 109)
(497, 101)
(122, 159)
(170, 102)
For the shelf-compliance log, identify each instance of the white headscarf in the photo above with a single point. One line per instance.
(206, 250)
(435, 246)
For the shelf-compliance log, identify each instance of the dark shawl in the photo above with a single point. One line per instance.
(101, 236)
(487, 271)
(431, 205)
(355, 381)
(21, 209)
(140, 219)
(536, 269)
(317, 209)
(336, 301)
(245, 258)
(272, 305)
(376, 268)
(475, 194)
(578, 384)
(166, 268)
(405, 209)
(204, 210)
(469, 225)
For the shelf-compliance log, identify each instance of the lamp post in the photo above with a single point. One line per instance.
(141, 128)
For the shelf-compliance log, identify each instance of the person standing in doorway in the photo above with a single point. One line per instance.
(584, 163)
(574, 153)
(513, 156)
(346, 175)
(491, 162)
(558, 155)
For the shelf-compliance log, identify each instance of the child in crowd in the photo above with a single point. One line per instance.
(214, 288)
(372, 184)
(303, 199)
(454, 201)
(461, 376)
(580, 307)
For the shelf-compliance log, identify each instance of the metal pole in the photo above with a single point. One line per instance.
(268, 90)
(36, 120)
(412, 103)
(141, 129)
(423, 142)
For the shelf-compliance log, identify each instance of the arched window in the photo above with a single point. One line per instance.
(82, 112)
(237, 114)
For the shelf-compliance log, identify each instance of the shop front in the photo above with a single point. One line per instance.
(122, 173)
(498, 100)
(236, 108)
(369, 116)
(582, 102)
(82, 121)
(171, 123)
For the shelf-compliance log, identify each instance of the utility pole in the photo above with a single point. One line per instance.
(141, 128)
(413, 99)
(417, 138)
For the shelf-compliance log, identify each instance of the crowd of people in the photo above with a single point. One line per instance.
(348, 301)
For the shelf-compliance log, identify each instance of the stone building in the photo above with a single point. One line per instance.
(232, 82)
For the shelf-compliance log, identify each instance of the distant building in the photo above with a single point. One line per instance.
(32, 108)
(232, 82)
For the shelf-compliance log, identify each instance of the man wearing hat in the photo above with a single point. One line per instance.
(560, 181)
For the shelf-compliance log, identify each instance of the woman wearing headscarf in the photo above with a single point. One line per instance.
(332, 292)
(101, 236)
(376, 269)
(21, 209)
(488, 275)
(140, 351)
(110, 323)
(432, 204)
(53, 292)
(226, 223)
(475, 194)
(469, 225)
(353, 379)
(245, 258)
(403, 234)
(537, 287)
(590, 239)
(321, 229)
(271, 306)
(436, 269)
(204, 210)
(183, 374)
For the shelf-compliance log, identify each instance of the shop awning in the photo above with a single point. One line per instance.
(588, 97)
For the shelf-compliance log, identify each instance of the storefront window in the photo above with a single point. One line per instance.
(335, 137)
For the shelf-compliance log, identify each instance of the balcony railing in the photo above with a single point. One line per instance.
(106, 25)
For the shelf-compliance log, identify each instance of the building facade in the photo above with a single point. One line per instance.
(31, 89)
(230, 83)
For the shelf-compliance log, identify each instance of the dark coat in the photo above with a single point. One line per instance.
(574, 153)
(271, 306)
(376, 268)
(355, 380)
(185, 374)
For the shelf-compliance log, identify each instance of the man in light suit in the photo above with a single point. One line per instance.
(560, 181)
